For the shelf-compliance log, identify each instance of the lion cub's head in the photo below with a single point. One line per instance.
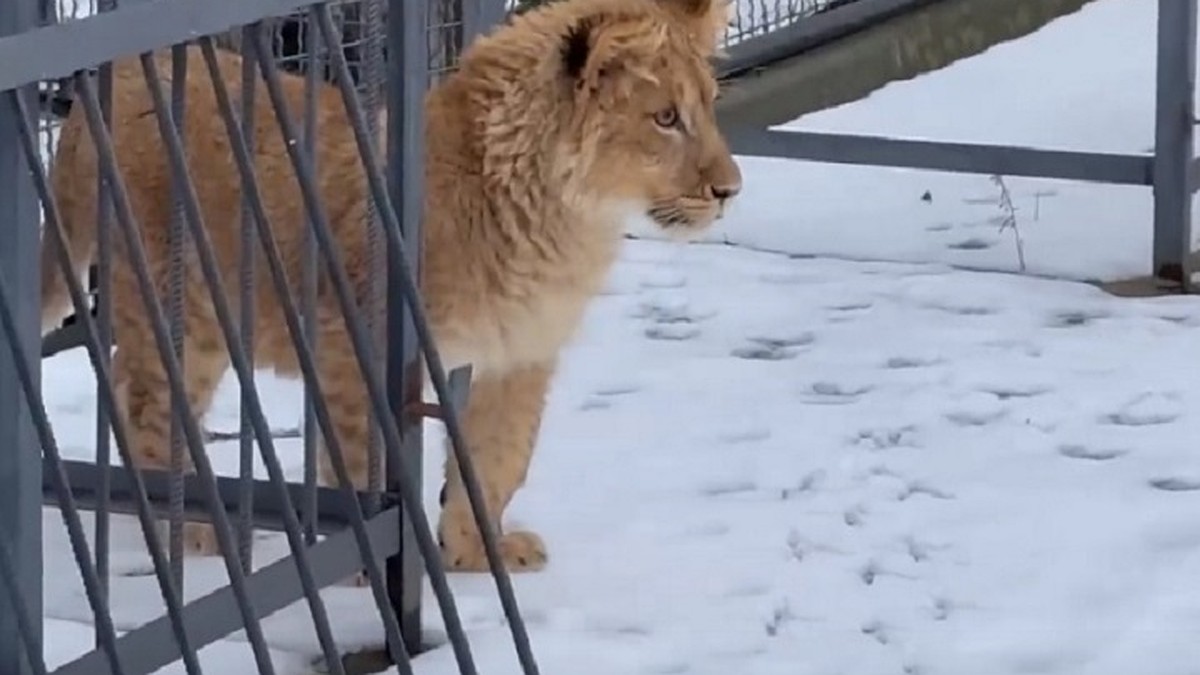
(623, 93)
(642, 93)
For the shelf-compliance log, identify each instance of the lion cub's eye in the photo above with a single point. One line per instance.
(667, 118)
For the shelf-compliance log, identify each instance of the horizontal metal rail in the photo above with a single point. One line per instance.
(978, 158)
(64, 48)
(271, 588)
(333, 508)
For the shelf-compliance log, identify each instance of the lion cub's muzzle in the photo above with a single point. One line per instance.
(700, 210)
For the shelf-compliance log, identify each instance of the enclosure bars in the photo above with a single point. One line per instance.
(1171, 171)
(138, 646)
(90, 106)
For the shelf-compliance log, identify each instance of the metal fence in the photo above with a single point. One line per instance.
(163, 373)
(1172, 171)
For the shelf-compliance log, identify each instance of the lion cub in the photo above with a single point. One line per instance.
(556, 127)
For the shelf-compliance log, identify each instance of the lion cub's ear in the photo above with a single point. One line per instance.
(596, 48)
(695, 8)
(710, 19)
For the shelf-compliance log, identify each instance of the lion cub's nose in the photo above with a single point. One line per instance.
(727, 191)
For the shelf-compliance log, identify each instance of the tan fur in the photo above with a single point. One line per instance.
(531, 168)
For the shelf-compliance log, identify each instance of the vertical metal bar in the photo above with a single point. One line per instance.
(1175, 119)
(25, 620)
(491, 14)
(472, 18)
(308, 273)
(407, 78)
(20, 462)
(104, 326)
(177, 275)
(246, 265)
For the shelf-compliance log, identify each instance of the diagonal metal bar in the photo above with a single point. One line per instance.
(273, 587)
(437, 370)
(100, 365)
(246, 274)
(308, 269)
(106, 156)
(414, 509)
(237, 355)
(304, 352)
(104, 323)
(177, 242)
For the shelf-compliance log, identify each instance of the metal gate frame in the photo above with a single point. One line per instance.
(399, 532)
(1172, 171)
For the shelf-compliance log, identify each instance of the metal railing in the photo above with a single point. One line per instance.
(1171, 171)
(331, 532)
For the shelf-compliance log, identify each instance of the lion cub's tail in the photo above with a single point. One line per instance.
(73, 191)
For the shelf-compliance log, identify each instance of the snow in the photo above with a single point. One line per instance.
(848, 456)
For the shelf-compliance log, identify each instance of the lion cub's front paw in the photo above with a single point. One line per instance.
(520, 551)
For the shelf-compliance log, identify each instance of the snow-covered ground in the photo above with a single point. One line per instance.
(758, 463)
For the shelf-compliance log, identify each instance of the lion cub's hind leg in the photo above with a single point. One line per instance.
(143, 391)
(501, 424)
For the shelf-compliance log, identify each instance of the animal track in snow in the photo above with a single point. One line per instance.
(826, 392)
(1147, 409)
(1076, 451)
(961, 310)
(602, 398)
(971, 244)
(1009, 391)
(919, 488)
(975, 409)
(1075, 317)
(672, 332)
(663, 312)
(902, 362)
(617, 390)
(729, 487)
(1176, 484)
(876, 630)
(808, 483)
(850, 306)
(974, 418)
(887, 438)
(763, 353)
(774, 348)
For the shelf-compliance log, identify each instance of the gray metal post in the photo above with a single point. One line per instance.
(480, 16)
(1174, 120)
(407, 75)
(20, 456)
